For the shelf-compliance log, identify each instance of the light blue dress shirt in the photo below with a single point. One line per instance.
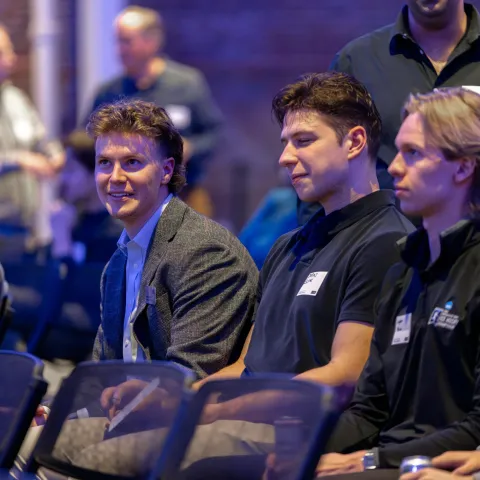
(136, 252)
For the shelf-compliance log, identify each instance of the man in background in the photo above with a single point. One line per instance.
(28, 161)
(182, 90)
(432, 44)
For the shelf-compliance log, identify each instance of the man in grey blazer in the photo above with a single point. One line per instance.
(180, 287)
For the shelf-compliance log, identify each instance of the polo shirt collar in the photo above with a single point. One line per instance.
(400, 30)
(415, 249)
(321, 228)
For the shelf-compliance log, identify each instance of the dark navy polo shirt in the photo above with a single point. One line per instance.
(314, 278)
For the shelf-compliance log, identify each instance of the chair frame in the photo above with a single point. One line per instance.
(174, 451)
(62, 407)
(36, 390)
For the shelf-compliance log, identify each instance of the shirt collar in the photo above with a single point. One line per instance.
(400, 31)
(321, 228)
(142, 238)
(415, 250)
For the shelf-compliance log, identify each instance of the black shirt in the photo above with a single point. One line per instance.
(328, 272)
(419, 393)
(392, 65)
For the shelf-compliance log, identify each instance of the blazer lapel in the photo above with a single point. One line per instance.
(114, 301)
(167, 227)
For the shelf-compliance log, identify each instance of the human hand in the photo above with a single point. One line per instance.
(276, 468)
(41, 416)
(434, 474)
(338, 463)
(462, 463)
(114, 399)
(36, 164)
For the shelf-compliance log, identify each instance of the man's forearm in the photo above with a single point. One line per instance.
(231, 371)
(331, 374)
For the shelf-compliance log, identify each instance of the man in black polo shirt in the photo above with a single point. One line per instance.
(419, 393)
(314, 319)
(319, 283)
(431, 45)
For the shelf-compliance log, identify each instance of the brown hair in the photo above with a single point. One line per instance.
(83, 148)
(342, 101)
(145, 119)
(451, 120)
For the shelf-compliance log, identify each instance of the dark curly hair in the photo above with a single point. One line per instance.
(148, 120)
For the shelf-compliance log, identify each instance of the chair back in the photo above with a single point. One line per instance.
(234, 428)
(22, 388)
(84, 438)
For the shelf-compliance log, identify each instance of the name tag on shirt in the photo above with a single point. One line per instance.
(150, 294)
(403, 325)
(312, 283)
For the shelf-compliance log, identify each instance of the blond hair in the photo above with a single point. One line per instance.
(451, 121)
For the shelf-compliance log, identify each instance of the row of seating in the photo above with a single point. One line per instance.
(298, 417)
(56, 307)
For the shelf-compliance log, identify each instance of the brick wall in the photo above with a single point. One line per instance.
(248, 49)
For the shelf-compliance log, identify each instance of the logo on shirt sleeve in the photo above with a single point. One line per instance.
(312, 283)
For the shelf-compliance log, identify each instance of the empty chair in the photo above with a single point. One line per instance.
(120, 438)
(22, 388)
(36, 293)
(233, 428)
(71, 334)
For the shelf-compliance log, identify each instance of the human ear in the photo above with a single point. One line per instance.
(356, 141)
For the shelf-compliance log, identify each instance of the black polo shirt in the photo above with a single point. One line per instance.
(419, 393)
(392, 65)
(328, 272)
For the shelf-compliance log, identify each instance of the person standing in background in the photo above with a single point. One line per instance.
(432, 44)
(182, 90)
(27, 160)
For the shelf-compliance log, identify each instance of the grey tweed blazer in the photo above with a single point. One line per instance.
(205, 293)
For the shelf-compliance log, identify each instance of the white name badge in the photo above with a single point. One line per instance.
(312, 283)
(403, 324)
(180, 115)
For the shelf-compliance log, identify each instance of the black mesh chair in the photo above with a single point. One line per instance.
(70, 335)
(79, 441)
(36, 292)
(234, 427)
(5, 306)
(22, 388)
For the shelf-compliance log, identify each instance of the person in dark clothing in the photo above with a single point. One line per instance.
(82, 228)
(419, 393)
(431, 45)
(318, 284)
(180, 89)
